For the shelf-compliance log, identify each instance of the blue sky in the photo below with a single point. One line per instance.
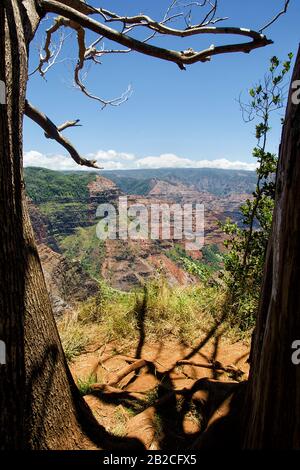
(173, 117)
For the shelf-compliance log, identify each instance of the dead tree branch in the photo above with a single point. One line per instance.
(84, 53)
(181, 58)
(76, 14)
(282, 12)
(53, 132)
(67, 124)
(48, 54)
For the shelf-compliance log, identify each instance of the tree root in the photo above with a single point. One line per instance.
(138, 364)
(126, 370)
(217, 366)
(109, 390)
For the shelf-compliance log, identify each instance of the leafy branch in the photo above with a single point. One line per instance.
(247, 242)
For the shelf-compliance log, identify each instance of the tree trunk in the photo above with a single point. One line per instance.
(274, 384)
(39, 402)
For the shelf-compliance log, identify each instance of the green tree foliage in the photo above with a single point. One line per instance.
(247, 242)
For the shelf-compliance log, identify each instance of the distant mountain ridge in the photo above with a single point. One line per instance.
(141, 181)
(215, 181)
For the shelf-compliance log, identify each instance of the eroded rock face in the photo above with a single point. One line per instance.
(101, 191)
(183, 194)
(180, 193)
(41, 226)
(67, 282)
(130, 263)
(61, 216)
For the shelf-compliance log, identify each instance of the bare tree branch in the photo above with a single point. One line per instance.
(53, 132)
(90, 53)
(180, 58)
(47, 49)
(51, 56)
(67, 124)
(211, 14)
(84, 53)
(160, 27)
(81, 6)
(282, 12)
(76, 15)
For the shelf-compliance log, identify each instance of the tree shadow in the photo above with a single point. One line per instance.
(140, 313)
(172, 406)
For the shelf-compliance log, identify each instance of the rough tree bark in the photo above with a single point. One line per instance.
(39, 402)
(274, 384)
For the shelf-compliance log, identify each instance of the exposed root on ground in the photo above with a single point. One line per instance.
(164, 401)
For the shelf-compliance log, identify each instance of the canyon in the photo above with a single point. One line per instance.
(63, 207)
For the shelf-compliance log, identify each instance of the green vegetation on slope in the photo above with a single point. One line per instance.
(44, 185)
(64, 217)
(210, 263)
(85, 247)
(61, 197)
(131, 185)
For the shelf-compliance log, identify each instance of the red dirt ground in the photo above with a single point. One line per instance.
(163, 404)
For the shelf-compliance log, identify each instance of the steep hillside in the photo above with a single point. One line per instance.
(44, 185)
(65, 201)
(66, 281)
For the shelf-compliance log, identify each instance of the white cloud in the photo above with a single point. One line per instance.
(111, 155)
(113, 160)
(163, 161)
(169, 160)
(64, 163)
(52, 162)
(226, 164)
(111, 165)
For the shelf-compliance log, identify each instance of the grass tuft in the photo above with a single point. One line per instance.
(156, 312)
(84, 384)
(73, 337)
